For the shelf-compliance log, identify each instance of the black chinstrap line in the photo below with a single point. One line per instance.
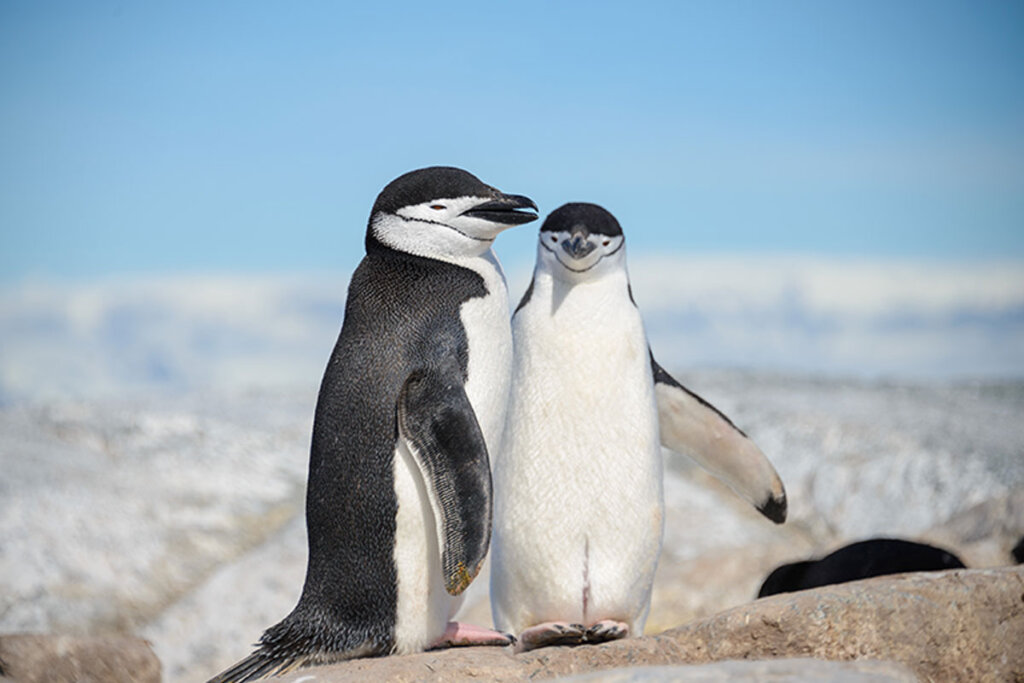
(445, 225)
(593, 265)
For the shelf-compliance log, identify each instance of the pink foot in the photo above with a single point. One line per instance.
(457, 634)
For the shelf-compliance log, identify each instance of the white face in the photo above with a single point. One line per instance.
(438, 229)
(577, 256)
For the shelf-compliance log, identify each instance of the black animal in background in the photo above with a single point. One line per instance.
(1018, 551)
(861, 560)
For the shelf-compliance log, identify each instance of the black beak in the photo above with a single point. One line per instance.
(578, 245)
(505, 209)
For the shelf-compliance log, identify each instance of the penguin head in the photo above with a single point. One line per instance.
(580, 241)
(443, 212)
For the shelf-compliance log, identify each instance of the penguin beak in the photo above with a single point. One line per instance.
(578, 245)
(505, 208)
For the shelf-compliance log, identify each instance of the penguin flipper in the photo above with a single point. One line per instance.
(437, 422)
(693, 427)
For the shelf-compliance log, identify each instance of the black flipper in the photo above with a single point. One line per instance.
(440, 428)
(693, 427)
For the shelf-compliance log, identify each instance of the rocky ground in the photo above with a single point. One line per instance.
(939, 626)
(179, 518)
(965, 625)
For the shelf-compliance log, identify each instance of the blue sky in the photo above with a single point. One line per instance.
(248, 137)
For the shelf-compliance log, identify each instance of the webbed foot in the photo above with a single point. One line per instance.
(457, 634)
(605, 630)
(551, 633)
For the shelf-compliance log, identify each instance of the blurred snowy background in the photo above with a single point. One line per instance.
(824, 207)
(810, 315)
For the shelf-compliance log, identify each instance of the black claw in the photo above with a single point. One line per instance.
(602, 633)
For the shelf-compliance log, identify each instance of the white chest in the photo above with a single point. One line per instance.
(582, 370)
(486, 323)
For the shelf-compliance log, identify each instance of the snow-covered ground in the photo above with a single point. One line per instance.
(154, 435)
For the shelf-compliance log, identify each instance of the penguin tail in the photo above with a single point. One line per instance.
(301, 641)
(257, 666)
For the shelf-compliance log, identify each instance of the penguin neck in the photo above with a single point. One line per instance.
(485, 264)
(555, 283)
(433, 240)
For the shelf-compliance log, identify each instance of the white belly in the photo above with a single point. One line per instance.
(424, 607)
(578, 488)
(423, 604)
(486, 322)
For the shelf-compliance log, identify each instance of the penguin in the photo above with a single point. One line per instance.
(413, 399)
(861, 560)
(579, 504)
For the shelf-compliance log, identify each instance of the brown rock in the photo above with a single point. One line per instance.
(955, 625)
(80, 659)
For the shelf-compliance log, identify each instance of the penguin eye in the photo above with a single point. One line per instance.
(554, 238)
(606, 242)
(438, 207)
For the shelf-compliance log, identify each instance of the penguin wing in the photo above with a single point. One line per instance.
(693, 427)
(437, 422)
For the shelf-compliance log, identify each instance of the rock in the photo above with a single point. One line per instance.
(952, 625)
(861, 560)
(101, 659)
(775, 670)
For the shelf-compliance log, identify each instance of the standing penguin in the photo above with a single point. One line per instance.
(398, 504)
(579, 506)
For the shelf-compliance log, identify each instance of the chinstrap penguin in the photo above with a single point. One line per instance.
(579, 505)
(399, 498)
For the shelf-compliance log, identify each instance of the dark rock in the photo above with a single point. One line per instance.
(862, 560)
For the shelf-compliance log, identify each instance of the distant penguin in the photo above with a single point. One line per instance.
(1018, 551)
(398, 505)
(862, 560)
(579, 505)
